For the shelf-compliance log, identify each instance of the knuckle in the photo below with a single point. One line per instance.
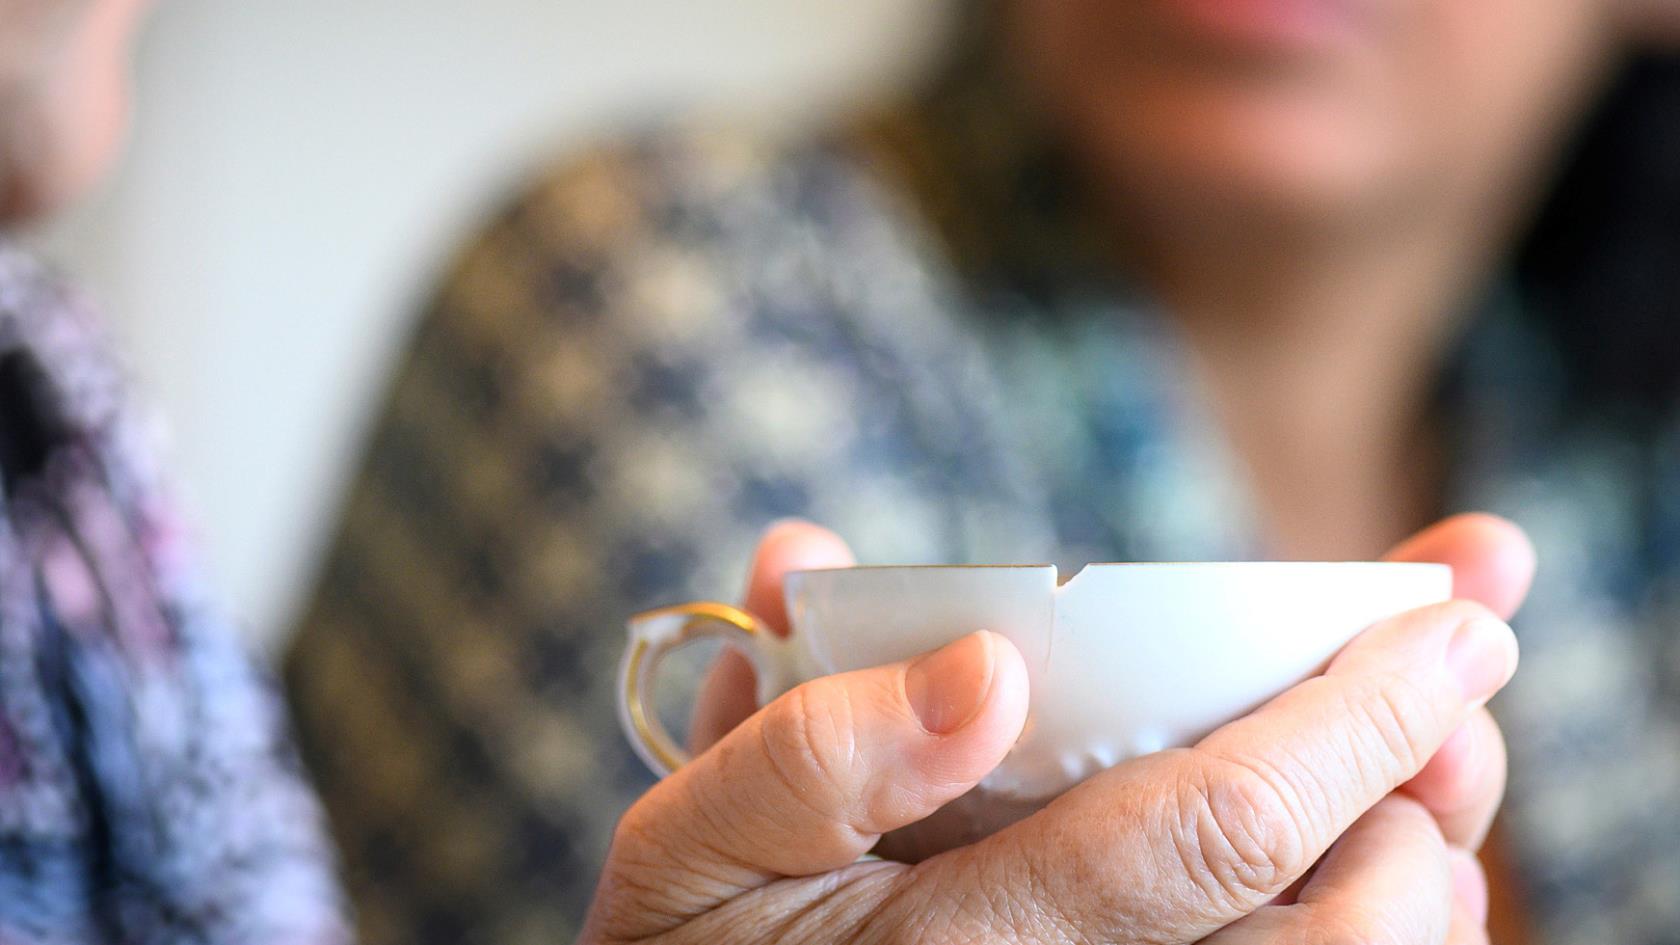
(956, 904)
(809, 737)
(1079, 898)
(1395, 724)
(637, 832)
(1237, 833)
(638, 882)
(632, 825)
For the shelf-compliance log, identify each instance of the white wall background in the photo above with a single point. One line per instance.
(300, 167)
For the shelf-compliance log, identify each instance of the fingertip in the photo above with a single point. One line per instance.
(794, 544)
(1482, 656)
(970, 734)
(1475, 529)
(1463, 783)
(1458, 752)
(1492, 558)
(1450, 773)
(952, 686)
(789, 545)
(1470, 886)
(1508, 561)
(1010, 688)
(976, 682)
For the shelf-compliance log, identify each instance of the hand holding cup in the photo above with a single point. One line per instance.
(758, 838)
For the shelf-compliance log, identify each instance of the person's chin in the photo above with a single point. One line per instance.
(67, 156)
(32, 191)
(1233, 165)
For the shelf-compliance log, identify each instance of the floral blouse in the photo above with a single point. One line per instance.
(148, 789)
(662, 346)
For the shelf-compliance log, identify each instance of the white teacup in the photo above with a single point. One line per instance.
(1123, 659)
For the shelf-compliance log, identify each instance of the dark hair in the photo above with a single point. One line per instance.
(1601, 262)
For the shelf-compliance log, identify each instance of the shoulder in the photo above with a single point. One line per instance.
(49, 333)
(61, 389)
(697, 321)
(685, 268)
(75, 441)
(687, 226)
(698, 180)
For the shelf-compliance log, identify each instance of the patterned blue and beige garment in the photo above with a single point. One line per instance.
(149, 793)
(660, 347)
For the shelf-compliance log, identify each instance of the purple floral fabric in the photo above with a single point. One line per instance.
(148, 789)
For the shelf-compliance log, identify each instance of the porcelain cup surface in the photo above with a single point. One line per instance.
(1123, 659)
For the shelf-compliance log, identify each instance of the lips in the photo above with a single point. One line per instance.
(1276, 27)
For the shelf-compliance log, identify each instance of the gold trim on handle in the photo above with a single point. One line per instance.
(642, 661)
(734, 616)
(639, 713)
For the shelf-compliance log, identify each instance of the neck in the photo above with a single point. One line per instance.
(1318, 355)
(1344, 328)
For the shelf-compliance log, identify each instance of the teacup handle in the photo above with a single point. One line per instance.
(653, 635)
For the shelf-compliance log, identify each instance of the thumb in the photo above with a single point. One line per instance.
(810, 782)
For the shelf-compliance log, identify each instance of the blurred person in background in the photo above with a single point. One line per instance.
(148, 789)
(1156, 281)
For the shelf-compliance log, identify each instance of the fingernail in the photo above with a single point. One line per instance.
(1470, 884)
(947, 687)
(1482, 656)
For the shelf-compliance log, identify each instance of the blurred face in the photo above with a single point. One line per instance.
(1313, 110)
(63, 97)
